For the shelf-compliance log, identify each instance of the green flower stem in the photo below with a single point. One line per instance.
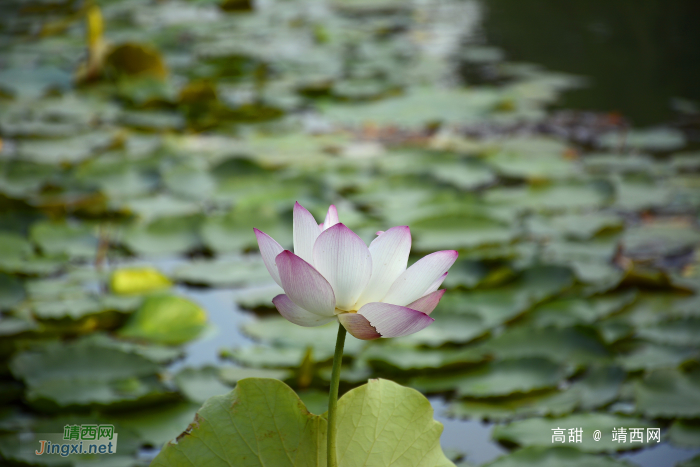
(333, 395)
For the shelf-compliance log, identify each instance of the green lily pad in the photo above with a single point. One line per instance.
(263, 356)
(683, 331)
(401, 357)
(651, 356)
(200, 384)
(498, 378)
(685, 433)
(286, 434)
(598, 387)
(166, 319)
(223, 272)
(577, 345)
(659, 239)
(233, 232)
(554, 457)
(280, 332)
(669, 393)
(549, 198)
(538, 431)
(575, 226)
(69, 150)
(231, 375)
(62, 238)
(11, 292)
(572, 311)
(166, 235)
(460, 232)
(86, 374)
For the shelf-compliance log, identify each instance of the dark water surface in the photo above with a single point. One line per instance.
(641, 56)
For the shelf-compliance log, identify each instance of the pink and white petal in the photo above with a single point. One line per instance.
(331, 218)
(411, 285)
(427, 303)
(297, 315)
(304, 285)
(358, 326)
(305, 233)
(394, 320)
(389, 258)
(269, 249)
(345, 261)
(435, 285)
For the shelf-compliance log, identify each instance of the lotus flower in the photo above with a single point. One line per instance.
(332, 274)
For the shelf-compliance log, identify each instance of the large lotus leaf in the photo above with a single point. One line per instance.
(460, 232)
(538, 431)
(239, 271)
(685, 433)
(669, 393)
(157, 425)
(683, 331)
(265, 423)
(402, 357)
(655, 139)
(577, 345)
(280, 332)
(156, 353)
(190, 182)
(298, 148)
(200, 384)
(572, 311)
(79, 307)
(650, 356)
(166, 319)
(138, 280)
(163, 236)
(597, 388)
(118, 179)
(11, 291)
(498, 378)
(549, 198)
(554, 457)
(61, 238)
(257, 297)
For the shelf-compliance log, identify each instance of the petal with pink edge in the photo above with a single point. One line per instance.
(345, 261)
(304, 285)
(389, 258)
(412, 284)
(291, 312)
(358, 326)
(394, 320)
(427, 303)
(331, 218)
(435, 285)
(269, 249)
(305, 233)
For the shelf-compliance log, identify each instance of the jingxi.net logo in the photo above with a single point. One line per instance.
(89, 439)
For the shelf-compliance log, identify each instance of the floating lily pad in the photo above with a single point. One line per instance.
(572, 311)
(572, 345)
(11, 291)
(403, 357)
(685, 433)
(163, 236)
(657, 139)
(62, 238)
(497, 378)
(200, 384)
(460, 232)
(650, 356)
(669, 393)
(157, 425)
(138, 280)
(223, 272)
(554, 457)
(232, 375)
(166, 319)
(683, 331)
